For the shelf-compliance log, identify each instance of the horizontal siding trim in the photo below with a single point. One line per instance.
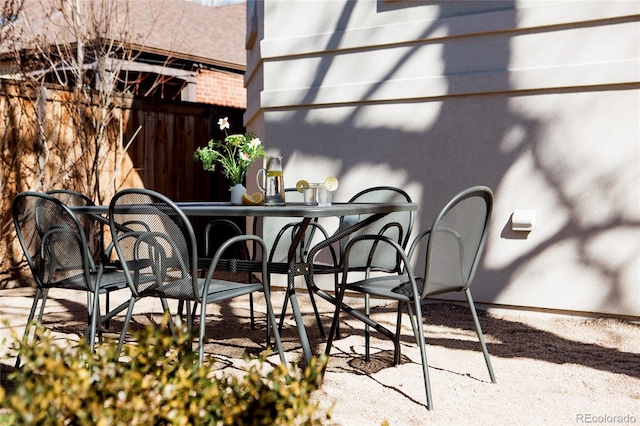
(573, 76)
(534, 17)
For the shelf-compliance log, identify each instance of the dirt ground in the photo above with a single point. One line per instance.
(550, 369)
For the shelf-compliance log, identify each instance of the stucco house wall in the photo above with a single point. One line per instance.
(538, 100)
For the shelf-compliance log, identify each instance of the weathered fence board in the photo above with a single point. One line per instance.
(164, 137)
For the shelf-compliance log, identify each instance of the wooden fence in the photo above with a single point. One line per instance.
(167, 135)
(163, 135)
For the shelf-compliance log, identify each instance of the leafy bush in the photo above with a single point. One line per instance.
(158, 385)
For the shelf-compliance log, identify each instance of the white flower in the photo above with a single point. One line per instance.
(254, 143)
(234, 154)
(223, 123)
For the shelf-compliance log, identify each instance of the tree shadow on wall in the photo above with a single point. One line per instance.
(474, 134)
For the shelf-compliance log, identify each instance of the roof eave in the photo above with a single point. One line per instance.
(191, 58)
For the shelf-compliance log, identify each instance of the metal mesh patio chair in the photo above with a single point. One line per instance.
(215, 233)
(454, 245)
(55, 248)
(93, 225)
(374, 257)
(279, 234)
(161, 259)
(397, 226)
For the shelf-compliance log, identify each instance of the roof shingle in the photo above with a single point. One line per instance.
(176, 28)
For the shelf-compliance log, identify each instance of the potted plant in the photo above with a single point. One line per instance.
(235, 154)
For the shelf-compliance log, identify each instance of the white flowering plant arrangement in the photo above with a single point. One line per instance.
(235, 154)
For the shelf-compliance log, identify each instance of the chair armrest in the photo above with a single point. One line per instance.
(305, 243)
(372, 237)
(384, 239)
(48, 243)
(332, 250)
(217, 257)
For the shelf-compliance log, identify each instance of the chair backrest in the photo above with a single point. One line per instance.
(278, 232)
(219, 230)
(92, 226)
(155, 243)
(456, 241)
(396, 225)
(52, 240)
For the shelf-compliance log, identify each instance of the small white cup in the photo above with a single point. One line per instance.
(311, 194)
(323, 195)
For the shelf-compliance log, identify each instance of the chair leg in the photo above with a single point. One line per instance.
(89, 308)
(251, 315)
(423, 353)
(165, 309)
(188, 308)
(476, 322)
(367, 312)
(45, 295)
(32, 313)
(313, 304)
(315, 311)
(203, 315)
(106, 301)
(94, 319)
(184, 311)
(367, 332)
(181, 311)
(99, 317)
(99, 321)
(284, 309)
(125, 326)
(396, 341)
(192, 316)
(271, 321)
(412, 318)
(269, 324)
(289, 294)
(336, 283)
(336, 319)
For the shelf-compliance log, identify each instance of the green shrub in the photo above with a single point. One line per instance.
(157, 385)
